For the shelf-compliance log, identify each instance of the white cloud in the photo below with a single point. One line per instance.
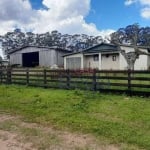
(15, 13)
(145, 12)
(18, 10)
(145, 7)
(130, 2)
(67, 8)
(145, 2)
(142, 2)
(66, 16)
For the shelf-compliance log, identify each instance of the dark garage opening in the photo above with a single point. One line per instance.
(30, 59)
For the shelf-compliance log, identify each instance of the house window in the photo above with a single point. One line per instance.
(114, 58)
(96, 57)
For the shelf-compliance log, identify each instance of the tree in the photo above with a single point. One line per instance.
(1, 61)
(17, 39)
(131, 35)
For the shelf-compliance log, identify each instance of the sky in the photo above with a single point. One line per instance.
(92, 17)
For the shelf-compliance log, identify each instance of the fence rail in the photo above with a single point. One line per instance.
(130, 82)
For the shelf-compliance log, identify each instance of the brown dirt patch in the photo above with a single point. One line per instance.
(8, 141)
(18, 135)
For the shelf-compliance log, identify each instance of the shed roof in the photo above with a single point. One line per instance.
(103, 47)
(52, 47)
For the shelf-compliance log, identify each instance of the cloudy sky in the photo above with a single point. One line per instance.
(93, 17)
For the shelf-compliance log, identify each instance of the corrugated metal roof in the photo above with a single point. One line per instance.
(52, 47)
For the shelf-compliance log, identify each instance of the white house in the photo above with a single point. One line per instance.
(31, 56)
(104, 57)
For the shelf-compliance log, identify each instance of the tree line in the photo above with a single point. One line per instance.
(18, 39)
(133, 35)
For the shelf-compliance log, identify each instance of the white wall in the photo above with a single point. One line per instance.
(148, 62)
(107, 63)
(100, 61)
(47, 57)
(140, 64)
(90, 63)
(122, 62)
(16, 58)
(72, 56)
(51, 57)
(60, 58)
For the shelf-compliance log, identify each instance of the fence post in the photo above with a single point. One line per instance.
(129, 82)
(9, 76)
(27, 76)
(94, 80)
(45, 78)
(68, 78)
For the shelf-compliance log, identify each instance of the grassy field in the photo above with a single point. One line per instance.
(112, 119)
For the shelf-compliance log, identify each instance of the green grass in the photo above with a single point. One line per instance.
(112, 118)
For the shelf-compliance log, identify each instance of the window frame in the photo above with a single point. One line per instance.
(114, 58)
(96, 57)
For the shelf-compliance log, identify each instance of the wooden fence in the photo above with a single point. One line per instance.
(129, 82)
